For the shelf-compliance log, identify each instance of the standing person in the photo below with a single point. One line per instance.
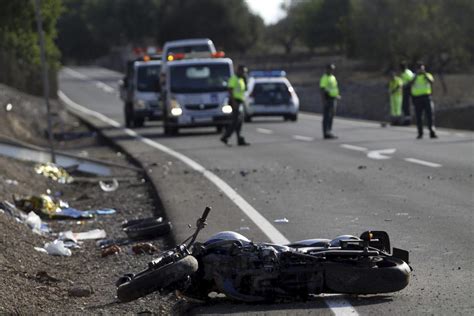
(237, 87)
(421, 90)
(329, 95)
(407, 76)
(395, 90)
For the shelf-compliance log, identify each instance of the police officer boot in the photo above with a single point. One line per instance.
(241, 142)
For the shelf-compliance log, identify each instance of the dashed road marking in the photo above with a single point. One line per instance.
(381, 154)
(99, 84)
(423, 162)
(303, 138)
(265, 131)
(353, 147)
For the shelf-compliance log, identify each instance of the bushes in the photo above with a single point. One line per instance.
(19, 50)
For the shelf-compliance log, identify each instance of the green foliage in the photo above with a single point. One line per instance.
(384, 31)
(90, 28)
(19, 48)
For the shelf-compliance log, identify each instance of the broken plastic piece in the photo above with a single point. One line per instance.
(53, 172)
(281, 220)
(109, 187)
(33, 221)
(56, 248)
(91, 234)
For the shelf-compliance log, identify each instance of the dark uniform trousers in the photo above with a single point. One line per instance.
(329, 110)
(424, 104)
(236, 122)
(406, 101)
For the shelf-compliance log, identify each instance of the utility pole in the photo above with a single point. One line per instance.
(44, 66)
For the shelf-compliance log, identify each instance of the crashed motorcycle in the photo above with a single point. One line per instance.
(243, 270)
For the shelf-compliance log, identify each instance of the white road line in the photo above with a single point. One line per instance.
(340, 307)
(381, 154)
(460, 134)
(265, 131)
(303, 138)
(423, 162)
(352, 147)
(99, 84)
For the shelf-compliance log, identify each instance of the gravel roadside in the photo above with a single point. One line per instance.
(32, 282)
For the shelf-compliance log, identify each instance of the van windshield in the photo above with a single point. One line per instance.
(148, 78)
(199, 77)
(188, 49)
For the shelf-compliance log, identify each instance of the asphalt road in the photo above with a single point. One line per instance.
(371, 178)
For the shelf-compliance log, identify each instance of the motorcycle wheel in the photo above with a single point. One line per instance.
(154, 280)
(385, 276)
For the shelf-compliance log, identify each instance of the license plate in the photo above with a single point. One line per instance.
(202, 119)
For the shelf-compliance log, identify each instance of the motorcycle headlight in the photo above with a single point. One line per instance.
(140, 105)
(226, 109)
(176, 109)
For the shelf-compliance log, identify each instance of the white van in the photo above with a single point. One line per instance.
(194, 93)
(187, 46)
(140, 91)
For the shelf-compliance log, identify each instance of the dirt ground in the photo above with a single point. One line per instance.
(32, 282)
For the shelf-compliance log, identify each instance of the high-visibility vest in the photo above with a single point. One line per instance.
(237, 85)
(395, 86)
(329, 84)
(420, 85)
(407, 76)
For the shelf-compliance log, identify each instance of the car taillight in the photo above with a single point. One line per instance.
(219, 54)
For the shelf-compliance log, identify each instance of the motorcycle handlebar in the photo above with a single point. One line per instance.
(206, 213)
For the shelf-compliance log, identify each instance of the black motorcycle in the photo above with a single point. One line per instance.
(231, 264)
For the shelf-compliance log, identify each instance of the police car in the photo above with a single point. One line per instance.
(269, 93)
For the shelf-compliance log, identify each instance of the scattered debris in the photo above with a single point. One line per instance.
(244, 228)
(146, 228)
(430, 177)
(111, 250)
(281, 220)
(9, 107)
(80, 292)
(11, 182)
(44, 277)
(57, 248)
(402, 214)
(54, 172)
(144, 248)
(362, 167)
(109, 187)
(75, 237)
(39, 249)
(244, 173)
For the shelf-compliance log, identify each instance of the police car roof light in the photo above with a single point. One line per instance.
(218, 54)
(267, 73)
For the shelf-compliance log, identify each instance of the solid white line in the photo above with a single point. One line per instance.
(265, 131)
(303, 138)
(423, 162)
(339, 305)
(352, 147)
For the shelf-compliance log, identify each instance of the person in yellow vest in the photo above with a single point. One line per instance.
(421, 90)
(237, 85)
(407, 76)
(395, 90)
(329, 95)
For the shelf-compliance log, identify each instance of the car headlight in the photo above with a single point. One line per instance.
(226, 109)
(140, 105)
(176, 109)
